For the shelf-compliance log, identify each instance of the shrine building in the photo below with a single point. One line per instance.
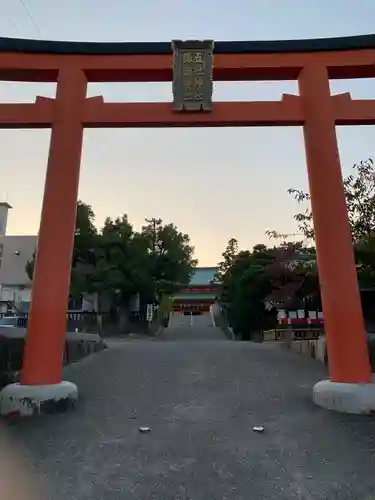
(197, 296)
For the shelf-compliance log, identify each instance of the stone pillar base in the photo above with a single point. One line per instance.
(345, 397)
(17, 400)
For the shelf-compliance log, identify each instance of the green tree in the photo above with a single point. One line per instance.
(85, 238)
(85, 241)
(244, 288)
(150, 263)
(113, 271)
(267, 276)
(360, 200)
(117, 262)
(293, 274)
(229, 255)
(170, 256)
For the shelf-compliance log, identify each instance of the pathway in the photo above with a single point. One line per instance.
(192, 328)
(201, 400)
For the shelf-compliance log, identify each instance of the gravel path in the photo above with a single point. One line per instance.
(201, 401)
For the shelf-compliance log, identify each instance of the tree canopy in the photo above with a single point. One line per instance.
(119, 262)
(254, 282)
(359, 190)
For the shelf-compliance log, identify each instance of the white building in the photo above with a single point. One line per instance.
(15, 252)
(15, 285)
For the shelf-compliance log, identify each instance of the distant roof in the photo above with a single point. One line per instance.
(203, 275)
(194, 296)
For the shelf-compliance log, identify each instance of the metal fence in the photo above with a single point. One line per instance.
(81, 321)
(282, 334)
(92, 322)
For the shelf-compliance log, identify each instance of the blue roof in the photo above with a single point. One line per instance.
(203, 275)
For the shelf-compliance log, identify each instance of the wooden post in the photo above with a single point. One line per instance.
(46, 331)
(344, 325)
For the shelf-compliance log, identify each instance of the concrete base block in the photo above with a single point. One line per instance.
(344, 397)
(321, 349)
(18, 400)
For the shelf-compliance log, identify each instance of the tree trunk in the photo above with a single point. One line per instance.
(123, 319)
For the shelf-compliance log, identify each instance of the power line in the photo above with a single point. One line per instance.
(27, 10)
(11, 21)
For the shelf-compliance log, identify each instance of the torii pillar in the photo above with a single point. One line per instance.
(41, 388)
(349, 388)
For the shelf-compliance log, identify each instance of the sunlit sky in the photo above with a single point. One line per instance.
(213, 183)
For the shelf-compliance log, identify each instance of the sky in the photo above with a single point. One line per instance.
(214, 184)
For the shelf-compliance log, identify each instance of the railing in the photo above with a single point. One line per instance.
(221, 321)
(105, 322)
(77, 346)
(75, 320)
(83, 321)
(21, 320)
(282, 334)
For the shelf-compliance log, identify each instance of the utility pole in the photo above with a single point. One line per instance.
(154, 223)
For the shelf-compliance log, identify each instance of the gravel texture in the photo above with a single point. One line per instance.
(201, 399)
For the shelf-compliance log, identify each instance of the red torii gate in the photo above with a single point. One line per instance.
(73, 64)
